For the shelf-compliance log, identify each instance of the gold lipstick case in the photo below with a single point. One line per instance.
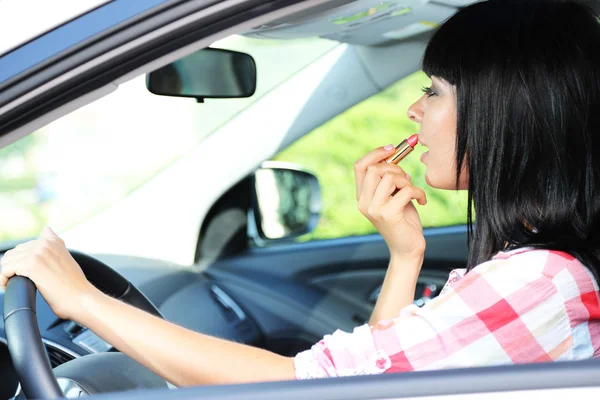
(402, 150)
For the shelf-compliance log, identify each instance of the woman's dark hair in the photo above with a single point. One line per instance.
(527, 77)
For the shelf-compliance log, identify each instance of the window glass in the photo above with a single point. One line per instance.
(90, 160)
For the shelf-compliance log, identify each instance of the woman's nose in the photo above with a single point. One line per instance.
(415, 112)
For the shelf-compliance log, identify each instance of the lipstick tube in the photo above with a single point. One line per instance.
(403, 149)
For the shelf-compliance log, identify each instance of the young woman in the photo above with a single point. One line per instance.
(512, 116)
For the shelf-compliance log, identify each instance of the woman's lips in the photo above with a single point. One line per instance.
(424, 156)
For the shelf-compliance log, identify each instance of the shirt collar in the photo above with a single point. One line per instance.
(501, 255)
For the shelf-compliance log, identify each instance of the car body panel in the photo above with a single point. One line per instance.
(570, 379)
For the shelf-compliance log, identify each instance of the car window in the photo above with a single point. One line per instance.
(330, 151)
(90, 160)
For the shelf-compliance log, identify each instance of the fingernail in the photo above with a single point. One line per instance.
(388, 147)
(408, 176)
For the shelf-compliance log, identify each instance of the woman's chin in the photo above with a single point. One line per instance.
(431, 180)
(436, 184)
(427, 181)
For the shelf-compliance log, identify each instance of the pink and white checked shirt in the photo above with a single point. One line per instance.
(522, 306)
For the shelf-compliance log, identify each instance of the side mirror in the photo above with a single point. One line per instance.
(286, 202)
(207, 73)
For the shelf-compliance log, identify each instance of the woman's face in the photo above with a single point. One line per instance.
(435, 112)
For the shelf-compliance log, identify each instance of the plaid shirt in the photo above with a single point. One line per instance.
(522, 306)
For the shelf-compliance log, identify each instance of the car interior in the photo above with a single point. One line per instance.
(249, 277)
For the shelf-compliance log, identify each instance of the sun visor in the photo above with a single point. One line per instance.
(365, 22)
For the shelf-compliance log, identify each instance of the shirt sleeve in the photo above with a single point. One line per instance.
(494, 315)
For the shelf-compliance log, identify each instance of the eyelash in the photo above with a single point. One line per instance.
(427, 90)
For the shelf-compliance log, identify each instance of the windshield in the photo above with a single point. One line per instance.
(91, 159)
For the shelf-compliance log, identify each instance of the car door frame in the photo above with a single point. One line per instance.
(577, 379)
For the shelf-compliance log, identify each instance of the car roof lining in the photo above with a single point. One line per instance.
(364, 22)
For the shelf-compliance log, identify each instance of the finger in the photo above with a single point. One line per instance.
(11, 261)
(27, 246)
(19, 255)
(372, 179)
(11, 269)
(24, 249)
(12, 252)
(389, 184)
(382, 168)
(49, 235)
(7, 270)
(374, 175)
(5, 259)
(373, 157)
(399, 201)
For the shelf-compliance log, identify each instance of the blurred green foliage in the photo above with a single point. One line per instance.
(330, 151)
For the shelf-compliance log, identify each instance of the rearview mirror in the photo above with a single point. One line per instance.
(287, 202)
(208, 73)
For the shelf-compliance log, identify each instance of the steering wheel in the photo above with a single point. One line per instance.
(25, 343)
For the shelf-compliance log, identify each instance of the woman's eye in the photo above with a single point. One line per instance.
(427, 90)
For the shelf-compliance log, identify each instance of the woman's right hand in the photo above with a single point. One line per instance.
(56, 274)
(384, 193)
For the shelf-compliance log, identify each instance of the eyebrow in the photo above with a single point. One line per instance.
(443, 84)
